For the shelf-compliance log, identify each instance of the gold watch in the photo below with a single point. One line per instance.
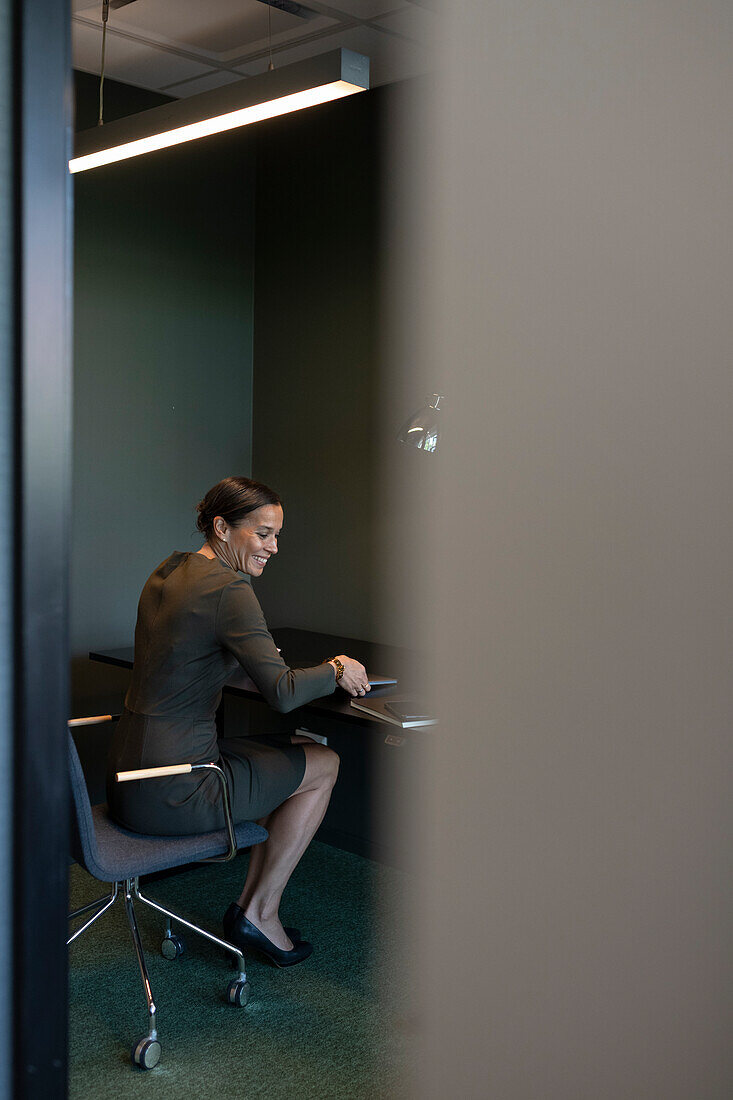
(339, 667)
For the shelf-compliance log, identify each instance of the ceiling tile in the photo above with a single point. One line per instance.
(416, 23)
(216, 78)
(305, 31)
(358, 9)
(186, 46)
(217, 29)
(130, 61)
(390, 58)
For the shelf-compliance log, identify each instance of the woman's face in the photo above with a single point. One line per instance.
(249, 546)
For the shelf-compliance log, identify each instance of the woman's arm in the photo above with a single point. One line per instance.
(353, 676)
(241, 628)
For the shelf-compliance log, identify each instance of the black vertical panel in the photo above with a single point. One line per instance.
(7, 488)
(43, 87)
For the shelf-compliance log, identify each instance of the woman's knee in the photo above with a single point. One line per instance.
(334, 763)
(321, 765)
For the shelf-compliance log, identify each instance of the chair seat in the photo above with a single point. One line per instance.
(124, 854)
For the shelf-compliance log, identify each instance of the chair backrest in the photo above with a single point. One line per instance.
(83, 837)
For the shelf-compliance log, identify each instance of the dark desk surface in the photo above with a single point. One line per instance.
(303, 648)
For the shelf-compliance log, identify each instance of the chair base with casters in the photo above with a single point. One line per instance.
(117, 856)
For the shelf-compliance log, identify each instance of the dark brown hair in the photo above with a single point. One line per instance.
(232, 499)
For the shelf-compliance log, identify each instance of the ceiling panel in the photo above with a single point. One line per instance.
(390, 58)
(218, 29)
(130, 61)
(417, 23)
(358, 9)
(186, 46)
(215, 78)
(260, 44)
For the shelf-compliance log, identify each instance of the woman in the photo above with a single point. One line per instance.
(198, 619)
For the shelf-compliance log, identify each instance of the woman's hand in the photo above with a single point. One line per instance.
(354, 679)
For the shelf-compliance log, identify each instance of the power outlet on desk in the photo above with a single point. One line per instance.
(313, 736)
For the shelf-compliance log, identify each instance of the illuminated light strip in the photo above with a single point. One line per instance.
(306, 83)
(244, 117)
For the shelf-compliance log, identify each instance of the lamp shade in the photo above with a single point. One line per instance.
(330, 76)
(422, 430)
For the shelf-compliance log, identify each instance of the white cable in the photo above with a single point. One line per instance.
(105, 17)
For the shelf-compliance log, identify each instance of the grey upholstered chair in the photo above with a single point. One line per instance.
(117, 856)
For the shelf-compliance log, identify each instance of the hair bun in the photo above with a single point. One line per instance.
(232, 499)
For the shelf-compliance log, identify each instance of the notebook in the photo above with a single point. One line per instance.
(378, 708)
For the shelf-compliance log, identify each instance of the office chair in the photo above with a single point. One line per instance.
(115, 855)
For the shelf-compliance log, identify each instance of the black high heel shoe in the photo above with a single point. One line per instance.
(242, 933)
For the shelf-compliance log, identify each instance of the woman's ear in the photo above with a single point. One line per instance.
(221, 528)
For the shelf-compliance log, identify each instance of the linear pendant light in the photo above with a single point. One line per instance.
(321, 79)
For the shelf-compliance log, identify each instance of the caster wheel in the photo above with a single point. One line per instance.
(146, 1053)
(238, 992)
(172, 947)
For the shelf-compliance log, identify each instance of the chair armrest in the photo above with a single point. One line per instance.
(153, 773)
(92, 720)
(184, 769)
(174, 769)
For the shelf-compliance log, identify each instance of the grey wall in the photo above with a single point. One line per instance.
(575, 266)
(163, 371)
(317, 297)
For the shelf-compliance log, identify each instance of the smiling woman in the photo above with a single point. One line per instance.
(197, 620)
(241, 521)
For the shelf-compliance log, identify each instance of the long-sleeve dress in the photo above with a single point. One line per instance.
(197, 621)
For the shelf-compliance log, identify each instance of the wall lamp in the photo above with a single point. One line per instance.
(316, 80)
(422, 430)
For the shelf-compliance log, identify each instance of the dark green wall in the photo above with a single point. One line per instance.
(163, 368)
(166, 402)
(317, 360)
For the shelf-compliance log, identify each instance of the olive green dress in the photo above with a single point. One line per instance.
(198, 621)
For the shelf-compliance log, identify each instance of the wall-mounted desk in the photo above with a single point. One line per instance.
(378, 760)
(303, 648)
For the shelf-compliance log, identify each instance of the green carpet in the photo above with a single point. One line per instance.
(323, 1029)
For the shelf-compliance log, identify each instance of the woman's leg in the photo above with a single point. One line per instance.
(258, 851)
(291, 827)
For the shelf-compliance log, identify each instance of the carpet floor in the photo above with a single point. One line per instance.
(331, 1027)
